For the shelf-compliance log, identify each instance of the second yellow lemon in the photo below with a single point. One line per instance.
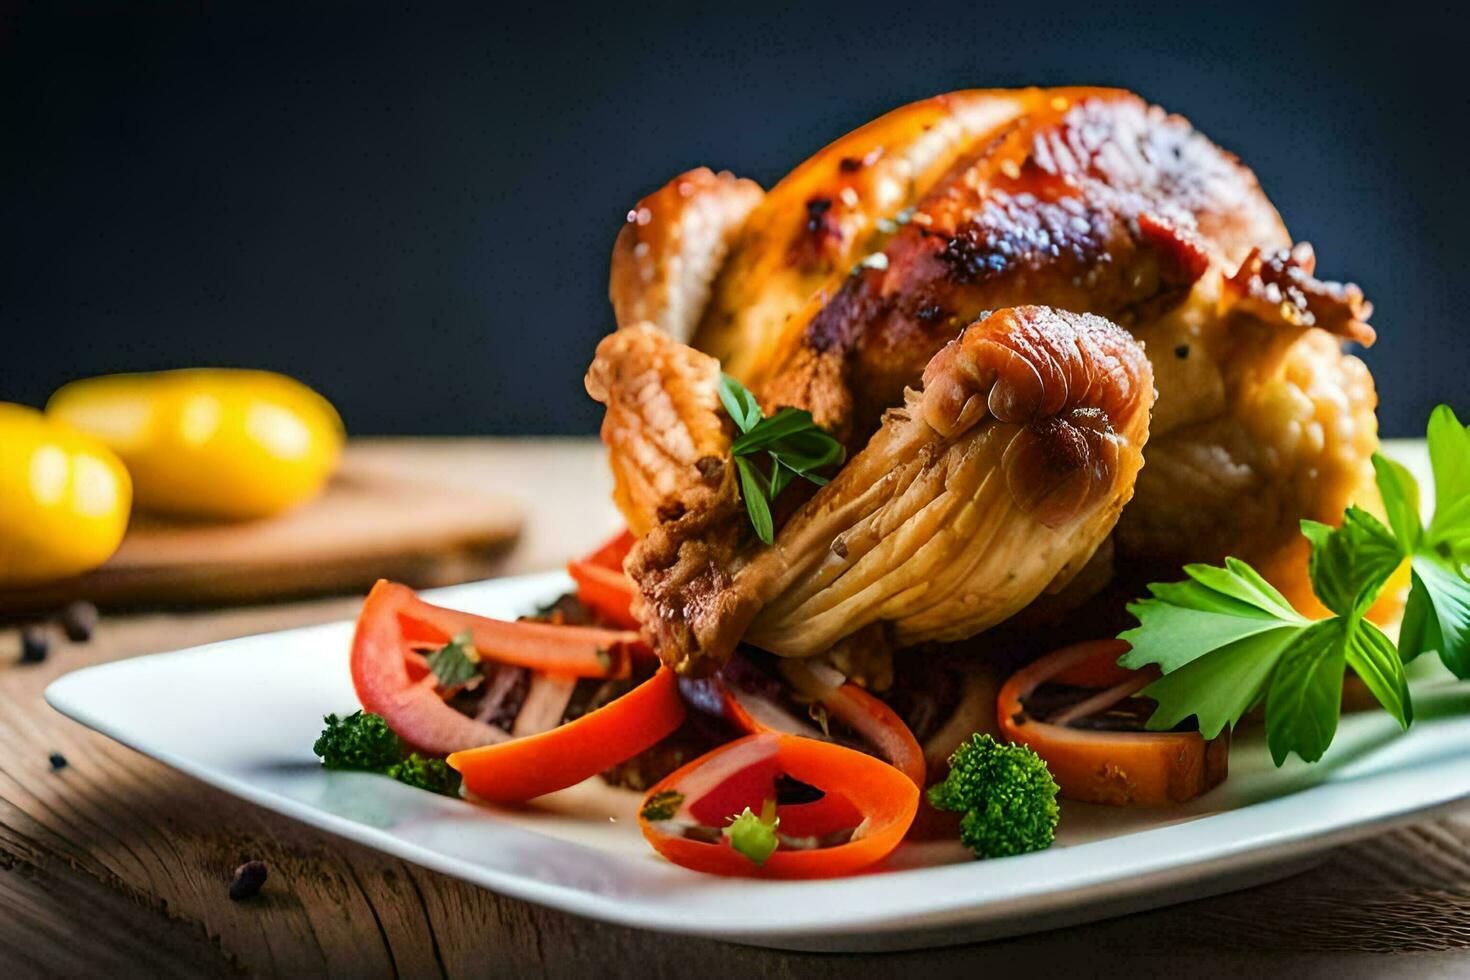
(210, 443)
(64, 499)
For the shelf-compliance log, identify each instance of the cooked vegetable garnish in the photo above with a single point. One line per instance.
(431, 773)
(794, 444)
(1006, 794)
(754, 835)
(363, 742)
(393, 677)
(662, 806)
(601, 584)
(360, 741)
(1080, 711)
(1226, 639)
(827, 696)
(606, 591)
(524, 768)
(852, 810)
(456, 662)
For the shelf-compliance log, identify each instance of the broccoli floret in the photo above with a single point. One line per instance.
(365, 743)
(429, 773)
(1006, 794)
(359, 741)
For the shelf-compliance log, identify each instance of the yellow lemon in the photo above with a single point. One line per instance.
(211, 443)
(64, 499)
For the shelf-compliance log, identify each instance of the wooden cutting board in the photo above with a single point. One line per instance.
(373, 521)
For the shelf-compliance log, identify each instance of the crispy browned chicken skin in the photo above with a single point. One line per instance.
(836, 289)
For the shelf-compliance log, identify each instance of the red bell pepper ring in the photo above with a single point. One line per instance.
(1116, 768)
(392, 679)
(605, 591)
(613, 552)
(524, 768)
(683, 815)
(575, 651)
(601, 583)
(870, 717)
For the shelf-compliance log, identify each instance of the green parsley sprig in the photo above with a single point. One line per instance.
(455, 663)
(793, 446)
(1225, 639)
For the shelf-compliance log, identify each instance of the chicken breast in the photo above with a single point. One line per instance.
(998, 479)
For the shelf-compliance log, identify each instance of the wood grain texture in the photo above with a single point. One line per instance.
(117, 865)
(374, 519)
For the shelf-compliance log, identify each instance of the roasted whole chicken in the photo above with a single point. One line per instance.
(994, 299)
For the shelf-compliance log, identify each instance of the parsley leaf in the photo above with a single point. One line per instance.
(1349, 564)
(793, 444)
(1224, 640)
(1217, 689)
(1437, 615)
(456, 662)
(1216, 637)
(754, 490)
(1400, 493)
(1375, 660)
(739, 402)
(1306, 692)
(662, 805)
(1449, 457)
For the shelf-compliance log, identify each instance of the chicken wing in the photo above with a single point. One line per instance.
(668, 445)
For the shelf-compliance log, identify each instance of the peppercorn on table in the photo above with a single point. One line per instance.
(111, 862)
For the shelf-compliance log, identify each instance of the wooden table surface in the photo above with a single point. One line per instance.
(117, 864)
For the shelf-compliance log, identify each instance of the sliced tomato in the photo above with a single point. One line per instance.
(1119, 767)
(861, 795)
(524, 768)
(392, 678)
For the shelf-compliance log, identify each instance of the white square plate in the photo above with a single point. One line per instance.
(581, 851)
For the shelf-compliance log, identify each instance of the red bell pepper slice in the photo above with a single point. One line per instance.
(870, 717)
(528, 767)
(606, 592)
(683, 815)
(602, 585)
(613, 552)
(392, 678)
(1117, 768)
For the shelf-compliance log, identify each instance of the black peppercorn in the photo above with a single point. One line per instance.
(248, 879)
(1182, 351)
(78, 620)
(57, 760)
(34, 644)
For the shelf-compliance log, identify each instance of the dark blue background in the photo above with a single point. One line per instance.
(413, 210)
